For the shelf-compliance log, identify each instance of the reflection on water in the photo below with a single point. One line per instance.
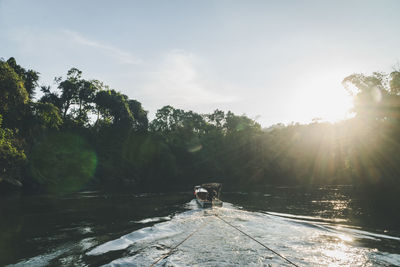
(312, 229)
(218, 244)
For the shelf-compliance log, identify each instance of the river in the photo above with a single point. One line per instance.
(320, 227)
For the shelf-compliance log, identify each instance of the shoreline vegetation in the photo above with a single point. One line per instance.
(82, 134)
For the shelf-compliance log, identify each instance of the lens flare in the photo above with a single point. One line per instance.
(63, 163)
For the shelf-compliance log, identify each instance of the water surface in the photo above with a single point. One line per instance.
(319, 227)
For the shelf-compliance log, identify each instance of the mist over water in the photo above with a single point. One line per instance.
(144, 228)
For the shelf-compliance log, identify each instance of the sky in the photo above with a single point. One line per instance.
(274, 61)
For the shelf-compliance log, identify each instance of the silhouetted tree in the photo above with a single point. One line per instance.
(114, 107)
(29, 77)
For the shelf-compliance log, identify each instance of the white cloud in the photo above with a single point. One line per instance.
(177, 77)
(180, 78)
(119, 54)
(67, 44)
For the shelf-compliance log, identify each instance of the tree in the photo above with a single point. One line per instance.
(395, 83)
(164, 120)
(69, 89)
(50, 97)
(169, 119)
(62, 162)
(29, 77)
(375, 96)
(217, 118)
(75, 98)
(113, 106)
(376, 146)
(85, 101)
(13, 96)
(47, 116)
(236, 123)
(141, 122)
(12, 156)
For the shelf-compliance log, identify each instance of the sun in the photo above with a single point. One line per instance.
(335, 106)
(321, 98)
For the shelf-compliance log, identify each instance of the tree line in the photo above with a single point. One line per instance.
(84, 134)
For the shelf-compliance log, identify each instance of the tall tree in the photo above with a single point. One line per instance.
(141, 122)
(29, 77)
(13, 96)
(114, 107)
(375, 96)
(75, 98)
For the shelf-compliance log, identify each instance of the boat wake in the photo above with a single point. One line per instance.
(198, 237)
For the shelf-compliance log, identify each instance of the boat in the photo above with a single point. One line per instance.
(207, 195)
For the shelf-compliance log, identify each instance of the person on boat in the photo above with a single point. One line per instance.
(211, 194)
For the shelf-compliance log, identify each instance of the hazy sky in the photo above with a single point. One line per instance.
(275, 61)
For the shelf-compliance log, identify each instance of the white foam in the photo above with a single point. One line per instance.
(218, 244)
(154, 219)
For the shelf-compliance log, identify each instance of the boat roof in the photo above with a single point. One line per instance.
(216, 186)
(199, 190)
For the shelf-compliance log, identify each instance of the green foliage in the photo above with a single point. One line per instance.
(395, 83)
(114, 106)
(12, 157)
(29, 77)
(151, 158)
(13, 96)
(63, 162)
(58, 133)
(210, 145)
(47, 115)
(75, 98)
(376, 96)
(141, 122)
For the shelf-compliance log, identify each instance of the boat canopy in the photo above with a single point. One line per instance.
(201, 190)
(213, 189)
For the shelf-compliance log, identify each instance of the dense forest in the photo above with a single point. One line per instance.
(83, 134)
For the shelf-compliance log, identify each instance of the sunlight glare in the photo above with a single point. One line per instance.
(345, 237)
(338, 256)
(321, 96)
